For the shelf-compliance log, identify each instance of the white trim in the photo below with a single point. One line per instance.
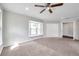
(27, 40)
(74, 29)
(29, 29)
(1, 43)
(1, 48)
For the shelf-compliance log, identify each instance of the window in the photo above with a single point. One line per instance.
(35, 28)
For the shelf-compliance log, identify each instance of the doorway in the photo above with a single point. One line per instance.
(68, 30)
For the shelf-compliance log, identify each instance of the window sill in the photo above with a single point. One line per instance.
(35, 36)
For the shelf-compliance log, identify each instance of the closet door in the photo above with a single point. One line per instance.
(68, 29)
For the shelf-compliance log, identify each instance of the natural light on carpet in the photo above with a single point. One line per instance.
(14, 46)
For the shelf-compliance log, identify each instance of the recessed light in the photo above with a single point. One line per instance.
(27, 8)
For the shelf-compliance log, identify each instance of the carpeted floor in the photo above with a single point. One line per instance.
(45, 47)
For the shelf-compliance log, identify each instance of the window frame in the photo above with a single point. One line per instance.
(41, 28)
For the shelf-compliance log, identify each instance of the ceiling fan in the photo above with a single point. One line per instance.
(49, 6)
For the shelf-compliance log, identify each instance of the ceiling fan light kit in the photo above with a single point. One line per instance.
(49, 6)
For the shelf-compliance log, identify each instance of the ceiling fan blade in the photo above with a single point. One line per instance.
(43, 10)
(48, 4)
(39, 6)
(50, 11)
(58, 4)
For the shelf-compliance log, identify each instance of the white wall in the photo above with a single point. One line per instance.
(77, 30)
(52, 30)
(15, 28)
(0, 28)
(1, 42)
(68, 29)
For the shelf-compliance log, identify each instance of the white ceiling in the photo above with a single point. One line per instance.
(67, 10)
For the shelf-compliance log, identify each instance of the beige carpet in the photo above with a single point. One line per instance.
(45, 47)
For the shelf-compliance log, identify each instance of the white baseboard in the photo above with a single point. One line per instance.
(53, 36)
(26, 40)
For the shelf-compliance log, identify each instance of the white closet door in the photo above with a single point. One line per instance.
(68, 29)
